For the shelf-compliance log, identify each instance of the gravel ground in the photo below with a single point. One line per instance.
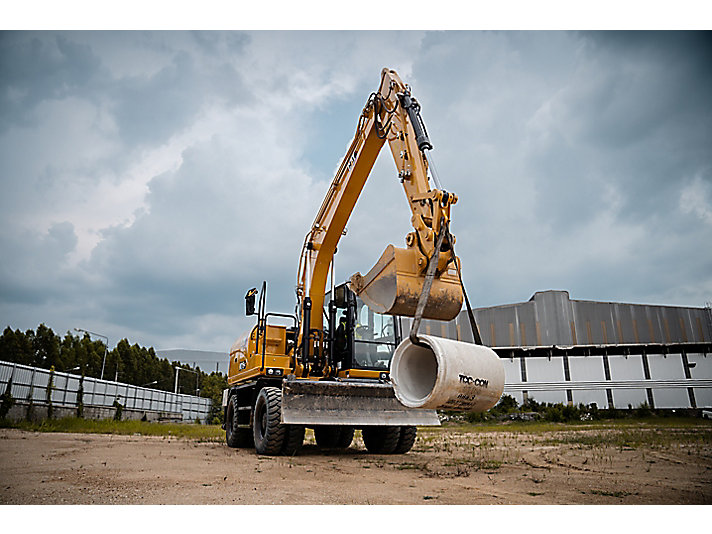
(447, 466)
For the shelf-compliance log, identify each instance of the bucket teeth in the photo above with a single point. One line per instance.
(394, 284)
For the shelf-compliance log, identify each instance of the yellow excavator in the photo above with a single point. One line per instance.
(327, 368)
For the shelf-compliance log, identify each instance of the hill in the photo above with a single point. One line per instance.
(208, 361)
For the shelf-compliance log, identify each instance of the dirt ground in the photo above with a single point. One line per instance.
(446, 466)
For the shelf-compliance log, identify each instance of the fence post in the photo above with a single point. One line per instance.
(48, 393)
(66, 386)
(80, 397)
(30, 397)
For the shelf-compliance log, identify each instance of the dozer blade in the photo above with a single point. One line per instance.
(394, 284)
(308, 402)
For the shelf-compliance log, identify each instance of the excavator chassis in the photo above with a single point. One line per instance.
(310, 402)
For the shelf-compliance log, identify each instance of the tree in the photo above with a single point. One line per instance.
(46, 347)
(212, 388)
(16, 346)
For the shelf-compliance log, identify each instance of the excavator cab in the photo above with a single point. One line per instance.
(374, 338)
(364, 340)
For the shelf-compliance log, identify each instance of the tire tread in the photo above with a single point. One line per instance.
(381, 439)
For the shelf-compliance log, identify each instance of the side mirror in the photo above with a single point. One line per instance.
(250, 301)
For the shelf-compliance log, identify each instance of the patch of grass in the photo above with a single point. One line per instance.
(409, 465)
(619, 494)
(204, 433)
(536, 427)
(632, 438)
(480, 464)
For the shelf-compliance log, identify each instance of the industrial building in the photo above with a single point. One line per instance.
(618, 355)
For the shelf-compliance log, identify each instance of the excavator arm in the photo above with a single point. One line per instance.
(395, 283)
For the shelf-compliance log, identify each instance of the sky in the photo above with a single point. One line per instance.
(149, 178)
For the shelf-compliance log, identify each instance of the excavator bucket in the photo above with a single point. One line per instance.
(310, 402)
(394, 284)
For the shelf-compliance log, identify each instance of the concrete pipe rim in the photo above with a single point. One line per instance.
(415, 372)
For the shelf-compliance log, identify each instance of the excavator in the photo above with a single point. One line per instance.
(327, 366)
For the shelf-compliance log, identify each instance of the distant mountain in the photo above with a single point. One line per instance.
(208, 361)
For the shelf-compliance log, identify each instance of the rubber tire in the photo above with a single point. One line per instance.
(333, 436)
(381, 439)
(345, 437)
(406, 440)
(293, 440)
(269, 433)
(236, 437)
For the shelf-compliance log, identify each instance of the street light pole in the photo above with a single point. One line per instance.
(106, 347)
(197, 377)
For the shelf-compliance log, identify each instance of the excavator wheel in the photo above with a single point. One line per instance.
(235, 436)
(293, 439)
(345, 437)
(406, 439)
(381, 439)
(269, 433)
(333, 437)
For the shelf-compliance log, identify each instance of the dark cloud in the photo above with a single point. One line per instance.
(149, 110)
(214, 229)
(34, 267)
(38, 66)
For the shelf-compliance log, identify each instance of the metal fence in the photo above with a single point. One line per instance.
(29, 385)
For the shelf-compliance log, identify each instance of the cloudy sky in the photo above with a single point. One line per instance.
(149, 179)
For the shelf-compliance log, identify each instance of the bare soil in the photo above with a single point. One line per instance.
(447, 466)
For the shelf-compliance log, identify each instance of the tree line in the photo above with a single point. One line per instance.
(126, 363)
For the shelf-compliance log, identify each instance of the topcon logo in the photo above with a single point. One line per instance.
(464, 379)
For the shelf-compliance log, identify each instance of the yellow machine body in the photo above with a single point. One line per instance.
(248, 361)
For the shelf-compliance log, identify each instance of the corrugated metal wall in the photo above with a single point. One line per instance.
(552, 318)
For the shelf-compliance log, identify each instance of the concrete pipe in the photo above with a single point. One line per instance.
(447, 375)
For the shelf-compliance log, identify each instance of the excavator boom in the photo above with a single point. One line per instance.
(394, 285)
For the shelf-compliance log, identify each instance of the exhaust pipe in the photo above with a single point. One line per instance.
(447, 375)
